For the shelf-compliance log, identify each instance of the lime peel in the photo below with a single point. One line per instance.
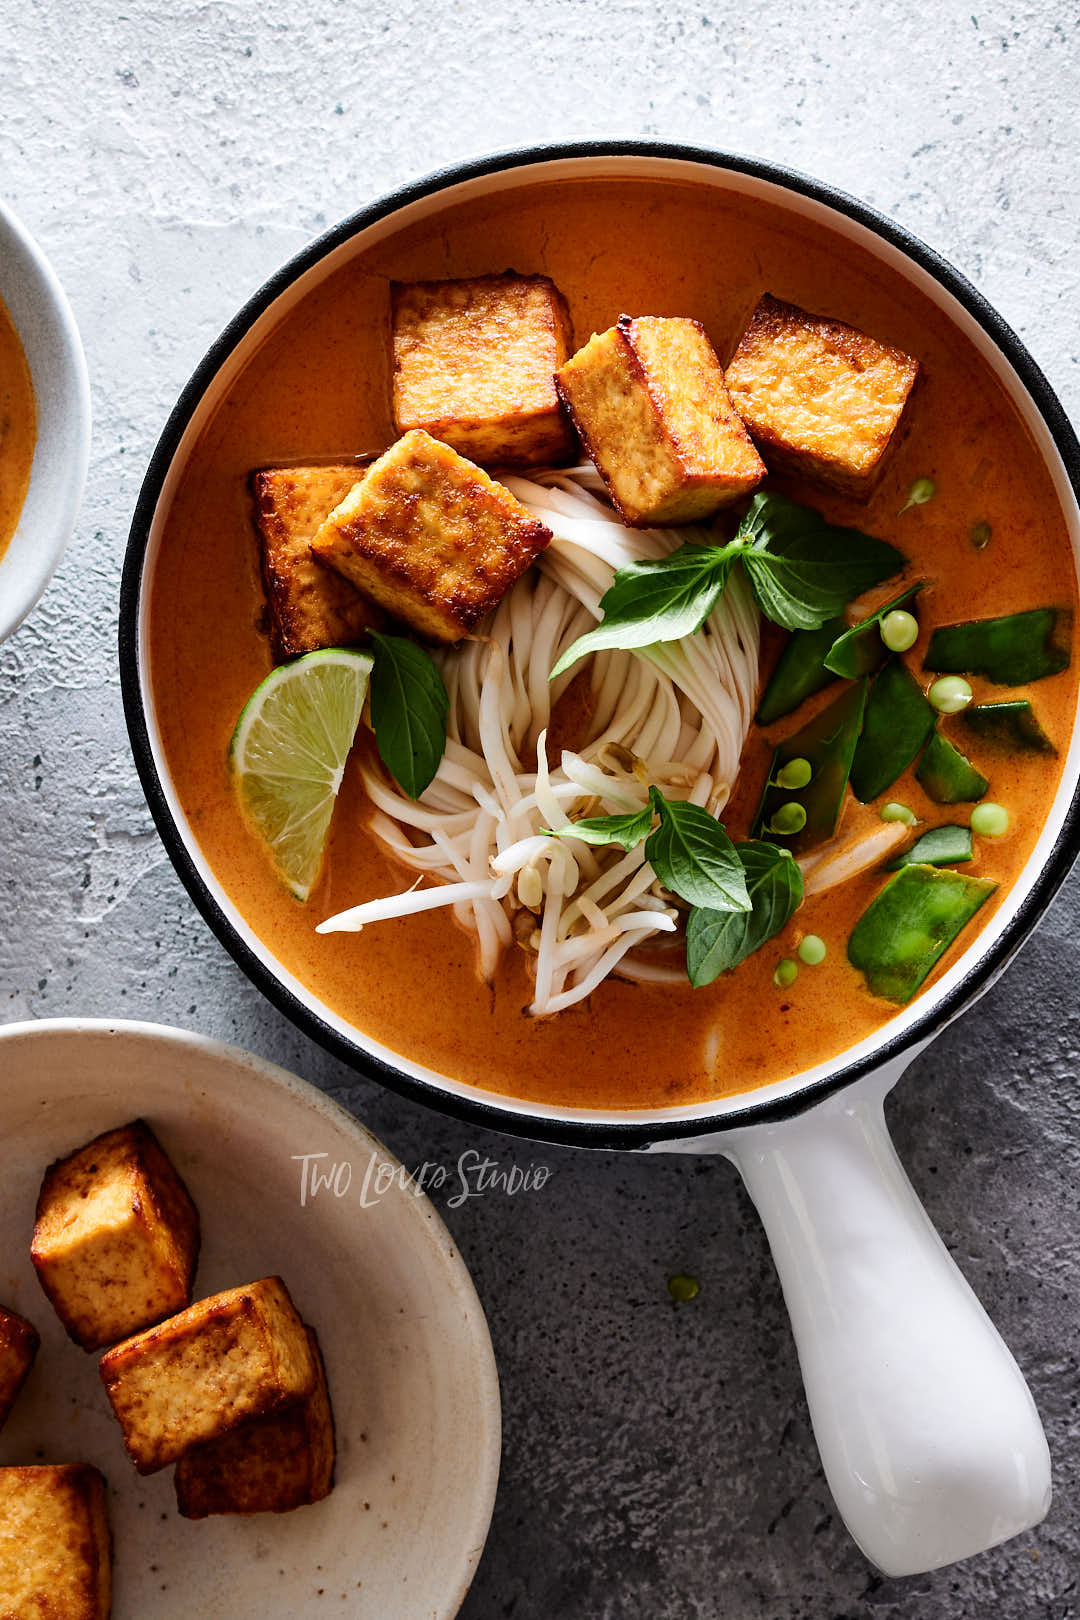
(287, 757)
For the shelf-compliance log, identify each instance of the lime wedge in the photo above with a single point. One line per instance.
(288, 753)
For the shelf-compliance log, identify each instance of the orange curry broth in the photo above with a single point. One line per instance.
(318, 388)
(17, 428)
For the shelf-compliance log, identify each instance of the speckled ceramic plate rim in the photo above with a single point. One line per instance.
(970, 977)
(419, 1218)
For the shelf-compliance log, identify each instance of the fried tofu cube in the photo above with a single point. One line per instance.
(431, 537)
(235, 1356)
(116, 1237)
(475, 363)
(310, 605)
(19, 1343)
(55, 1546)
(271, 1465)
(648, 400)
(820, 398)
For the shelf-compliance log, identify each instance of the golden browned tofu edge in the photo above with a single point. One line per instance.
(773, 318)
(309, 606)
(693, 494)
(19, 1345)
(521, 435)
(236, 1474)
(79, 1495)
(374, 552)
(163, 1204)
(262, 1302)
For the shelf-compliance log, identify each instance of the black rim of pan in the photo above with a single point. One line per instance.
(532, 1122)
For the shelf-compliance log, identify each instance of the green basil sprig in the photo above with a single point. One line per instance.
(717, 941)
(688, 850)
(801, 569)
(409, 702)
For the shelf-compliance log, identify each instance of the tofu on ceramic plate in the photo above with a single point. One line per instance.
(431, 537)
(271, 1465)
(55, 1547)
(649, 403)
(116, 1237)
(474, 366)
(19, 1342)
(238, 1355)
(820, 398)
(310, 606)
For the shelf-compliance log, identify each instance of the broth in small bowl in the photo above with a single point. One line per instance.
(44, 421)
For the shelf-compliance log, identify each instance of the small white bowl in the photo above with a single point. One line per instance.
(369, 1263)
(42, 317)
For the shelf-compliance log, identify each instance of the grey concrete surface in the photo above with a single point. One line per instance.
(658, 1459)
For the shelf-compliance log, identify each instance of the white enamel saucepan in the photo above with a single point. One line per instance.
(931, 1442)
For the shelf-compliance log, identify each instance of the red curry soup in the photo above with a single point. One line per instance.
(784, 440)
(17, 428)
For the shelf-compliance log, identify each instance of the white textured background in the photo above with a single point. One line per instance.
(658, 1460)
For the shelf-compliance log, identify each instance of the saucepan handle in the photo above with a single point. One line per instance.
(930, 1439)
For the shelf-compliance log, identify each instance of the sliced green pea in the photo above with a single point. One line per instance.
(788, 820)
(941, 846)
(1011, 651)
(1010, 726)
(862, 648)
(990, 820)
(799, 673)
(946, 776)
(897, 724)
(683, 1288)
(828, 743)
(951, 694)
(796, 774)
(921, 491)
(908, 927)
(895, 811)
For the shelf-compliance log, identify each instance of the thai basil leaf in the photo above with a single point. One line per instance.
(693, 856)
(802, 569)
(627, 830)
(717, 941)
(659, 600)
(408, 711)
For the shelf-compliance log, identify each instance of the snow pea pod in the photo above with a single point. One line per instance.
(1010, 651)
(799, 673)
(946, 776)
(908, 927)
(1012, 726)
(828, 742)
(897, 724)
(941, 846)
(860, 650)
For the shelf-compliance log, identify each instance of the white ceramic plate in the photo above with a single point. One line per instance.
(409, 1360)
(42, 316)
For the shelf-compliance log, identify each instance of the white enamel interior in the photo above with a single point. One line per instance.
(408, 1356)
(729, 181)
(42, 317)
